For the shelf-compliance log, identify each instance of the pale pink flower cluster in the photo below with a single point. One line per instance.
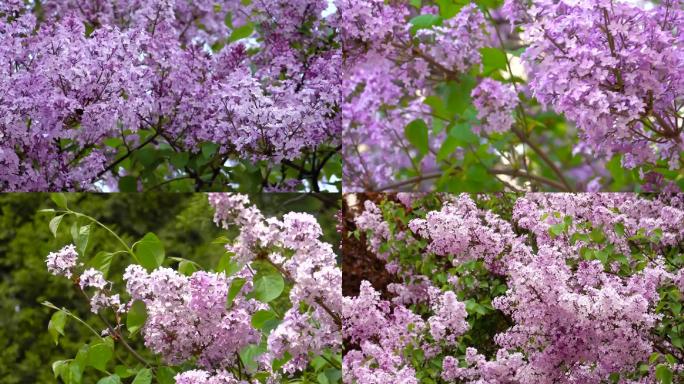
(537, 212)
(187, 316)
(101, 300)
(203, 377)
(381, 330)
(91, 277)
(372, 222)
(63, 261)
(456, 43)
(680, 280)
(448, 321)
(479, 370)
(235, 210)
(463, 230)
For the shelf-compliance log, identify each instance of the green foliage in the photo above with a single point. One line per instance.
(136, 316)
(150, 251)
(100, 354)
(664, 374)
(144, 376)
(424, 22)
(234, 289)
(56, 325)
(416, 133)
(268, 286)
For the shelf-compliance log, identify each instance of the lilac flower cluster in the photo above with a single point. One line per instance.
(449, 317)
(79, 83)
(495, 103)
(615, 69)
(63, 262)
(202, 377)
(455, 44)
(186, 315)
(573, 318)
(381, 333)
(463, 230)
(387, 63)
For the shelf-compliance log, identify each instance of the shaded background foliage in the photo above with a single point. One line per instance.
(182, 221)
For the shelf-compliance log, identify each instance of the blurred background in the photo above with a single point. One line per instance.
(183, 222)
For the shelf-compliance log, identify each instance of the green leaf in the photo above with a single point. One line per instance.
(268, 287)
(113, 379)
(54, 224)
(165, 375)
(81, 238)
(56, 325)
(144, 376)
(99, 355)
(227, 265)
(556, 229)
(186, 267)
(102, 262)
(147, 156)
(457, 94)
(448, 147)
(113, 142)
(208, 149)
(417, 134)
(261, 317)
(179, 159)
(493, 58)
(150, 251)
(664, 374)
(136, 316)
(596, 235)
(75, 373)
(278, 363)
(464, 134)
(234, 289)
(249, 355)
(438, 107)
(241, 32)
(619, 229)
(60, 199)
(334, 375)
(123, 371)
(59, 367)
(449, 8)
(424, 22)
(128, 184)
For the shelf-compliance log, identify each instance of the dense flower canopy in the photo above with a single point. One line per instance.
(437, 91)
(536, 288)
(89, 87)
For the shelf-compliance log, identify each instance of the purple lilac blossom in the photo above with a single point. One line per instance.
(62, 262)
(385, 66)
(613, 68)
(566, 311)
(94, 70)
(495, 103)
